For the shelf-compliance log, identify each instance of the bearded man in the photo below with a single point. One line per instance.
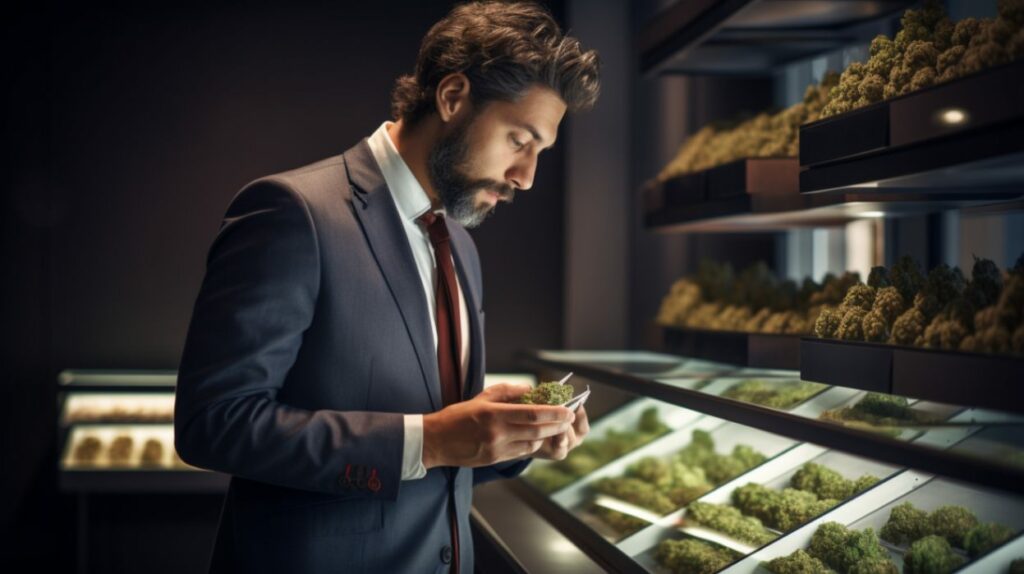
(334, 361)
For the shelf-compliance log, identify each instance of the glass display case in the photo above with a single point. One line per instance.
(116, 433)
(707, 467)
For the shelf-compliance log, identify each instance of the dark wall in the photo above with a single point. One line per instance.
(129, 130)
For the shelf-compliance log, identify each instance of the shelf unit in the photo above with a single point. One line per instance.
(657, 381)
(955, 146)
(753, 37)
(760, 350)
(931, 374)
(786, 446)
(915, 372)
(138, 404)
(962, 138)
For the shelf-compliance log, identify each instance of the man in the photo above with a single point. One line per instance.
(335, 357)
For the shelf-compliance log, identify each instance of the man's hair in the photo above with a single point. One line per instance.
(504, 49)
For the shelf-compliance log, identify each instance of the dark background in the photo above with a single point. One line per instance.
(128, 128)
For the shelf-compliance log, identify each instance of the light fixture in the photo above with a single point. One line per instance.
(953, 116)
(871, 214)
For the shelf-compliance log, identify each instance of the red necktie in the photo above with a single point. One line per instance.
(449, 336)
(449, 342)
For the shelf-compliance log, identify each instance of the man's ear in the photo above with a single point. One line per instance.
(452, 96)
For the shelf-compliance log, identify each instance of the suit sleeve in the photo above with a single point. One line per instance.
(256, 300)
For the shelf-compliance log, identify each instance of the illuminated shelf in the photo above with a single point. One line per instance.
(745, 37)
(973, 379)
(760, 350)
(677, 380)
(961, 138)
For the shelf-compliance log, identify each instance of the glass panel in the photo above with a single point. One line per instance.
(122, 448)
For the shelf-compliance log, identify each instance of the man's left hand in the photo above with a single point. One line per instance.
(557, 447)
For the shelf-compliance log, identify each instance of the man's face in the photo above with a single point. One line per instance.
(489, 153)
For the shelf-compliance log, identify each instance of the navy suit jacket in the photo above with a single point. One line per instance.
(309, 339)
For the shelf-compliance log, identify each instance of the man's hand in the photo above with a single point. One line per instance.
(487, 429)
(558, 447)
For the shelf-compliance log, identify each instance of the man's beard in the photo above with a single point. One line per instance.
(447, 165)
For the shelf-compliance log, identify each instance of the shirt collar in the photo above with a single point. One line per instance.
(410, 198)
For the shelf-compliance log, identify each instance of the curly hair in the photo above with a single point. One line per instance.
(504, 49)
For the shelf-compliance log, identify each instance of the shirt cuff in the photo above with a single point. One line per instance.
(412, 451)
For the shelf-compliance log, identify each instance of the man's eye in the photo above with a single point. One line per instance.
(518, 144)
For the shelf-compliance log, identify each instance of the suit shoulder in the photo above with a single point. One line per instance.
(314, 183)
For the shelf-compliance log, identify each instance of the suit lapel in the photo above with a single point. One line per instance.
(472, 298)
(375, 209)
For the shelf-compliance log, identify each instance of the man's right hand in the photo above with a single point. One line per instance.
(488, 429)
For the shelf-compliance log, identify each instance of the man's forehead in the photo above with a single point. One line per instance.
(538, 111)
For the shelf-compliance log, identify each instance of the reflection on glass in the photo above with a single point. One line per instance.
(775, 393)
(1004, 442)
(891, 415)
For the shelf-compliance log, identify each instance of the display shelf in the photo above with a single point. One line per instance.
(846, 514)
(747, 37)
(994, 380)
(163, 471)
(654, 379)
(935, 493)
(117, 380)
(962, 137)
(579, 499)
(106, 404)
(775, 475)
(762, 350)
(780, 212)
(622, 420)
(751, 176)
(89, 407)
(567, 509)
(872, 509)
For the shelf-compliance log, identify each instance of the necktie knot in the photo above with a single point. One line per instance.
(436, 228)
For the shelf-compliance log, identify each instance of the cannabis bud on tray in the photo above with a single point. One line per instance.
(547, 394)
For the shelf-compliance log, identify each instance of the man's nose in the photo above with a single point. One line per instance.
(521, 174)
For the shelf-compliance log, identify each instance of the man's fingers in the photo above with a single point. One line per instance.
(504, 392)
(535, 414)
(519, 432)
(563, 440)
(525, 447)
(582, 424)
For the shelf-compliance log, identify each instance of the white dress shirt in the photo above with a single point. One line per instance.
(412, 201)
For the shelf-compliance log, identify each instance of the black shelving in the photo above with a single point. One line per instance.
(753, 37)
(779, 211)
(970, 379)
(757, 350)
(961, 137)
(163, 481)
(951, 463)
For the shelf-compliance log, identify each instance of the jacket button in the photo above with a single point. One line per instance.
(446, 554)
